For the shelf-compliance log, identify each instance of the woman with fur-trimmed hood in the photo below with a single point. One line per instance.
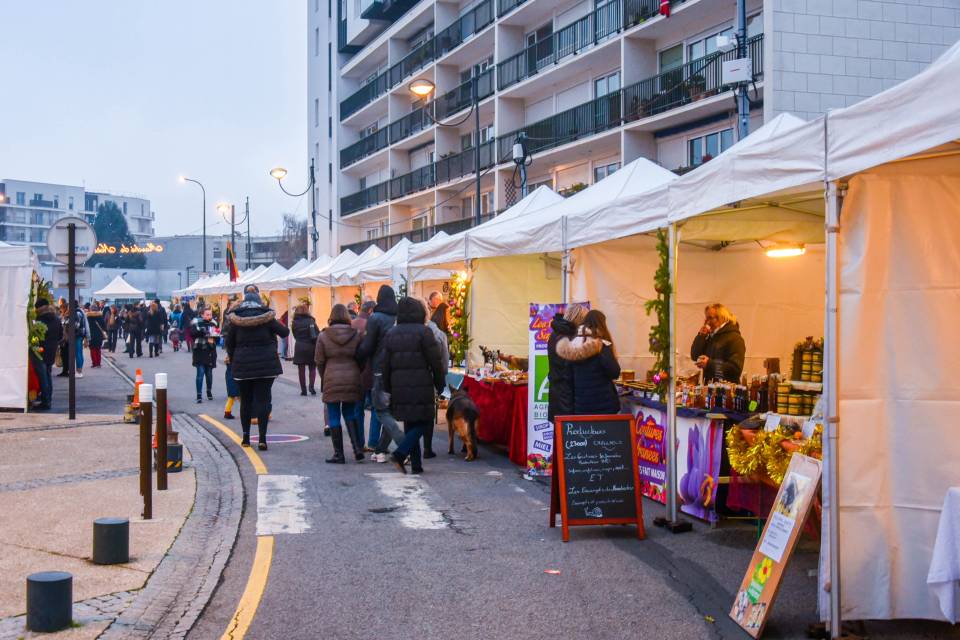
(593, 362)
(252, 347)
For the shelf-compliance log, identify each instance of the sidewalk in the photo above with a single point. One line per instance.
(56, 477)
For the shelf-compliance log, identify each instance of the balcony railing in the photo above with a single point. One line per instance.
(573, 38)
(462, 96)
(464, 163)
(416, 235)
(412, 123)
(447, 40)
(579, 122)
(416, 180)
(468, 24)
(506, 6)
(41, 203)
(367, 145)
(695, 80)
(365, 198)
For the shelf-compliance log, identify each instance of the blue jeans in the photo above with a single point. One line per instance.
(337, 409)
(360, 416)
(374, 437)
(410, 445)
(204, 372)
(79, 353)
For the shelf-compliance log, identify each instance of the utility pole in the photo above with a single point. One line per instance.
(314, 234)
(476, 143)
(743, 101)
(248, 232)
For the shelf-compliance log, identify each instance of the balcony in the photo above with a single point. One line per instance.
(366, 146)
(639, 11)
(461, 97)
(693, 81)
(41, 203)
(461, 164)
(416, 235)
(414, 181)
(506, 6)
(465, 26)
(573, 38)
(387, 9)
(364, 96)
(364, 199)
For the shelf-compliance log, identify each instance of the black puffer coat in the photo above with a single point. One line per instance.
(252, 341)
(98, 329)
(204, 351)
(560, 376)
(726, 350)
(155, 323)
(384, 316)
(51, 340)
(304, 343)
(412, 370)
(594, 369)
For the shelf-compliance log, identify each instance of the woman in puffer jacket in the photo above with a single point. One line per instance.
(561, 375)
(340, 381)
(593, 361)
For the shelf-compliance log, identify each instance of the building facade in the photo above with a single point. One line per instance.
(27, 209)
(591, 85)
(184, 254)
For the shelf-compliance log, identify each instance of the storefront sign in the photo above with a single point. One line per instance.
(150, 247)
(651, 457)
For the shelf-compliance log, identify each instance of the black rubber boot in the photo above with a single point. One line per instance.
(245, 442)
(353, 430)
(336, 435)
(262, 444)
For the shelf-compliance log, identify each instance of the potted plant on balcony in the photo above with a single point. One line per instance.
(696, 86)
(572, 189)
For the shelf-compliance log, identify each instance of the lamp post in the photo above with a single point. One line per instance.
(188, 274)
(180, 279)
(423, 88)
(227, 209)
(279, 173)
(197, 182)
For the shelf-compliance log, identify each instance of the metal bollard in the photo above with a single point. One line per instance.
(146, 427)
(49, 601)
(111, 541)
(161, 381)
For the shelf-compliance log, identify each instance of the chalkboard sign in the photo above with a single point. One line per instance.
(595, 472)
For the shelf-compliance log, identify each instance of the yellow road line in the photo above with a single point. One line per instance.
(256, 583)
(255, 459)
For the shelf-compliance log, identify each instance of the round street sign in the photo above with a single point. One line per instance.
(85, 240)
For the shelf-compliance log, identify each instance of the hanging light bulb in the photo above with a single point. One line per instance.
(786, 251)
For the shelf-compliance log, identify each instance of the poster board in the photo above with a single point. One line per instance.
(539, 430)
(758, 590)
(595, 479)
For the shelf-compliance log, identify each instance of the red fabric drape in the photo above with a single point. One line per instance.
(503, 415)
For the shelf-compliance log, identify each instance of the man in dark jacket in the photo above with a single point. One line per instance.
(719, 348)
(412, 372)
(371, 350)
(560, 375)
(51, 341)
(166, 325)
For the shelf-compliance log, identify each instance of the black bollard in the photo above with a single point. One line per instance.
(49, 601)
(111, 541)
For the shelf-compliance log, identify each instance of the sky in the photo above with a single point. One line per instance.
(127, 95)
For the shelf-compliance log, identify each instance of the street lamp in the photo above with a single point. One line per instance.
(180, 279)
(229, 213)
(197, 182)
(423, 88)
(188, 274)
(279, 173)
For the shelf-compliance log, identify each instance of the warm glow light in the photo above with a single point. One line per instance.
(279, 173)
(182, 179)
(422, 87)
(786, 251)
(223, 207)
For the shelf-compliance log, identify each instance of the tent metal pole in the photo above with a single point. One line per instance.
(565, 262)
(671, 407)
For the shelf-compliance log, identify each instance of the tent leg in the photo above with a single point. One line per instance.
(831, 393)
(672, 521)
(565, 267)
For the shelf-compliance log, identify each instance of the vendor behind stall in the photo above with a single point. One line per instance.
(719, 349)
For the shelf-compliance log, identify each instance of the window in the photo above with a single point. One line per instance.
(363, 183)
(369, 130)
(671, 58)
(706, 46)
(384, 227)
(37, 218)
(37, 197)
(532, 186)
(216, 266)
(316, 41)
(420, 37)
(21, 198)
(466, 207)
(475, 70)
(466, 141)
(418, 223)
(602, 171)
(124, 208)
(217, 251)
(707, 147)
(141, 208)
(56, 202)
(316, 112)
(70, 203)
(373, 234)
(606, 84)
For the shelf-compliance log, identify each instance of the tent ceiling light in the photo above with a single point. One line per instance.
(786, 251)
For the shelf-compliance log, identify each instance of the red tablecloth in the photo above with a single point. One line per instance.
(503, 415)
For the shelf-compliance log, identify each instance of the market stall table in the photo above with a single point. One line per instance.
(503, 412)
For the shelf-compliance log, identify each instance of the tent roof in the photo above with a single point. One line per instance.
(119, 288)
(320, 276)
(377, 268)
(301, 267)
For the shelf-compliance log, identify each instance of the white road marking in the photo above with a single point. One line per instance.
(281, 507)
(494, 474)
(410, 493)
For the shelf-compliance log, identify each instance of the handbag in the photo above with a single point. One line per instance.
(314, 334)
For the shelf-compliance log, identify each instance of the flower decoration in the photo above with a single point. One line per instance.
(459, 329)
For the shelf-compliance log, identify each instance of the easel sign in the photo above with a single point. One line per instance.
(595, 472)
(760, 585)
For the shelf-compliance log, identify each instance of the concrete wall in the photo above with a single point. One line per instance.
(833, 53)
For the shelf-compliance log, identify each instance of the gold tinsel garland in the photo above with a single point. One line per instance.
(767, 454)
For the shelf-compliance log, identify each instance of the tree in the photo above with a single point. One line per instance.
(112, 230)
(293, 244)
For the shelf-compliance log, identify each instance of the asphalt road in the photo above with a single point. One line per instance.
(463, 550)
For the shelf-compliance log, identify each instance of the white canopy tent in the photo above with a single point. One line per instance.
(17, 264)
(118, 288)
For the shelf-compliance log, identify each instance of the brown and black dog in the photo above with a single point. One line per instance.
(462, 417)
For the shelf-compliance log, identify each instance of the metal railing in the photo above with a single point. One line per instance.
(695, 80)
(581, 121)
(413, 181)
(414, 122)
(365, 146)
(464, 163)
(365, 198)
(364, 96)
(461, 97)
(418, 58)
(638, 11)
(468, 24)
(506, 6)
(416, 235)
(573, 38)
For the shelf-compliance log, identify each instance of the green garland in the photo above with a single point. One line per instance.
(660, 332)
(38, 330)
(358, 296)
(459, 341)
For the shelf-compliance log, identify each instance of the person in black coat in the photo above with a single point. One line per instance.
(560, 374)
(719, 348)
(133, 327)
(412, 372)
(305, 332)
(252, 347)
(51, 341)
(155, 324)
(370, 352)
(205, 332)
(593, 362)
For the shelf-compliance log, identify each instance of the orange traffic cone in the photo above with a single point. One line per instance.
(138, 380)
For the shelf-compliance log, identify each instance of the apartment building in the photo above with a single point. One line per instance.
(27, 209)
(590, 84)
